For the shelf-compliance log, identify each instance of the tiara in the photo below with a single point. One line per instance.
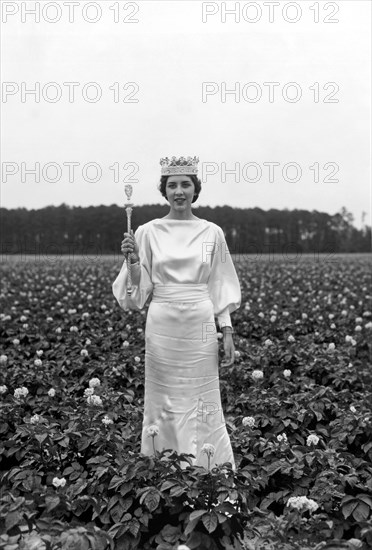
(179, 166)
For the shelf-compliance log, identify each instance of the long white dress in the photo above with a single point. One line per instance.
(186, 270)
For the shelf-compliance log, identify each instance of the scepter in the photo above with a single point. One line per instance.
(128, 191)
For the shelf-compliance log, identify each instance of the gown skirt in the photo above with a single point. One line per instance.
(182, 391)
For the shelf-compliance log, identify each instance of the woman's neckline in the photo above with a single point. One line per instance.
(175, 220)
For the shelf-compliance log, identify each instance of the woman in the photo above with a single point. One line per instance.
(183, 265)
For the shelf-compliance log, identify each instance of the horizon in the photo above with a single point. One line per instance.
(285, 209)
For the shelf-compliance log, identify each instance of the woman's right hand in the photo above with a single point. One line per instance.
(129, 245)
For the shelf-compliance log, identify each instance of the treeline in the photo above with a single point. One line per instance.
(97, 230)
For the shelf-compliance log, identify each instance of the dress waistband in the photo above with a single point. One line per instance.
(193, 292)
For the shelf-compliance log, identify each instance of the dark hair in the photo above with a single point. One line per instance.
(196, 181)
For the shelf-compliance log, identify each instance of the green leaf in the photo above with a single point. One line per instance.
(347, 509)
(197, 514)
(210, 521)
(177, 491)
(168, 484)
(115, 482)
(113, 500)
(361, 512)
(134, 527)
(41, 437)
(52, 502)
(12, 519)
(366, 499)
(152, 500)
(117, 513)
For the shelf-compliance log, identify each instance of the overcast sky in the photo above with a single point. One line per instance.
(315, 125)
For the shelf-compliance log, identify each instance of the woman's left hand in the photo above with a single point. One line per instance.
(229, 349)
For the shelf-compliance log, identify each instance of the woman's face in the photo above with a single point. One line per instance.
(180, 187)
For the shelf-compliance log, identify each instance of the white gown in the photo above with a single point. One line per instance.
(187, 272)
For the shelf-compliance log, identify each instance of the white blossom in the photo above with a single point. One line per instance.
(94, 400)
(358, 328)
(137, 359)
(3, 359)
(125, 344)
(39, 352)
(50, 319)
(84, 353)
(3, 389)
(353, 409)
(88, 392)
(312, 439)
(73, 329)
(59, 482)
(331, 346)
(94, 382)
(248, 421)
(287, 373)
(106, 420)
(152, 430)
(35, 419)
(257, 374)
(16, 341)
(88, 342)
(268, 342)
(51, 392)
(208, 449)
(302, 503)
(58, 330)
(282, 437)
(20, 392)
(291, 339)
(38, 362)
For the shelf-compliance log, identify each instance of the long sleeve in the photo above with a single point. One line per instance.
(141, 276)
(223, 284)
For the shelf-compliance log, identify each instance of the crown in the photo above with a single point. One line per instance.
(181, 166)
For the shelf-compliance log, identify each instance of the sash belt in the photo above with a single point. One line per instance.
(186, 293)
